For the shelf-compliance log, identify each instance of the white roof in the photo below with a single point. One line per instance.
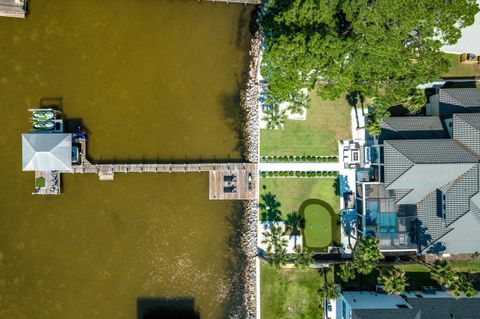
(47, 152)
(469, 42)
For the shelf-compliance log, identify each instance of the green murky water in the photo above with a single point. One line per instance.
(149, 80)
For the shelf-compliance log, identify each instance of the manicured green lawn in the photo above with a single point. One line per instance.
(292, 192)
(326, 123)
(289, 293)
(318, 226)
(459, 69)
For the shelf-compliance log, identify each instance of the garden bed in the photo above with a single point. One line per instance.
(299, 174)
(299, 159)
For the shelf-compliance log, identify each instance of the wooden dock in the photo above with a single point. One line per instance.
(13, 8)
(50, 183)
(227, 181)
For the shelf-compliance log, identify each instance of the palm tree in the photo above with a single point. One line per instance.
(270, 208)
(463, 287)
(330, 291)
(366, 255)
(443, 273)
(299, 102)
(303, 259)
(273, 239)
(276, 246)
(292, 223)
(348, 271)
(393, 280)
(455, 282)
(275, 118)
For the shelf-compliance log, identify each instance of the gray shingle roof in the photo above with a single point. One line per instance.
(423, 179)
(386, 314)
(446, 308)
(461, 236)
(412, 127)
(423, 172)
(466, 130)
(459, 100)
(432, 151)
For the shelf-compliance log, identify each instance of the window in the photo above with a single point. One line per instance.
(344, 310)
(402, 306)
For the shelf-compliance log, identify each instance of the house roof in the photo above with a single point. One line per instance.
(441, 178)
(440, 305)
(412, 127)
(458, 100)
(47, 152)
(422, 179)
(386, 313)
(469, 41)
(446, 308)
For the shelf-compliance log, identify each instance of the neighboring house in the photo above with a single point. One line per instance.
(469, 40)
(426, 198)
(411, 305)
(449, 101)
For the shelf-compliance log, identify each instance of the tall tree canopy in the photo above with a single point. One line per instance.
(381, 49)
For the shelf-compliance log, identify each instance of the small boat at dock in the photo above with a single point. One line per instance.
(43, 125)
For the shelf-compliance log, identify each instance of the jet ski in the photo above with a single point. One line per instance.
(43, 115)
(43, 125)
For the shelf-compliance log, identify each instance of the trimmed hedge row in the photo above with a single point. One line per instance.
(299, 174)
(299, 159)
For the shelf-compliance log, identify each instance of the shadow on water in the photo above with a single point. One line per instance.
(235, 264)
(55, 102)
(166, 308)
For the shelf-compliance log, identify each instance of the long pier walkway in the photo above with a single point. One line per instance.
(229, 181)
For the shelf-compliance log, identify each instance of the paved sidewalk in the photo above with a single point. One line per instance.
(301, 167)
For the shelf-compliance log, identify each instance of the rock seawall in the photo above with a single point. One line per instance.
(250, 134)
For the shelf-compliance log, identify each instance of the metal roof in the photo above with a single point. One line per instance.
(47, 152)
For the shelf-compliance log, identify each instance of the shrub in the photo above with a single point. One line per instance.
(275, 173)
(335, 173)
(264, 174)
(291, 158)
(324, 159)
(270, 174)
(330, 173)
(298, 158)
(303, 158)
(319, 173)
(297, 174)
(324, 173)
(291, 173)
(303, 174)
